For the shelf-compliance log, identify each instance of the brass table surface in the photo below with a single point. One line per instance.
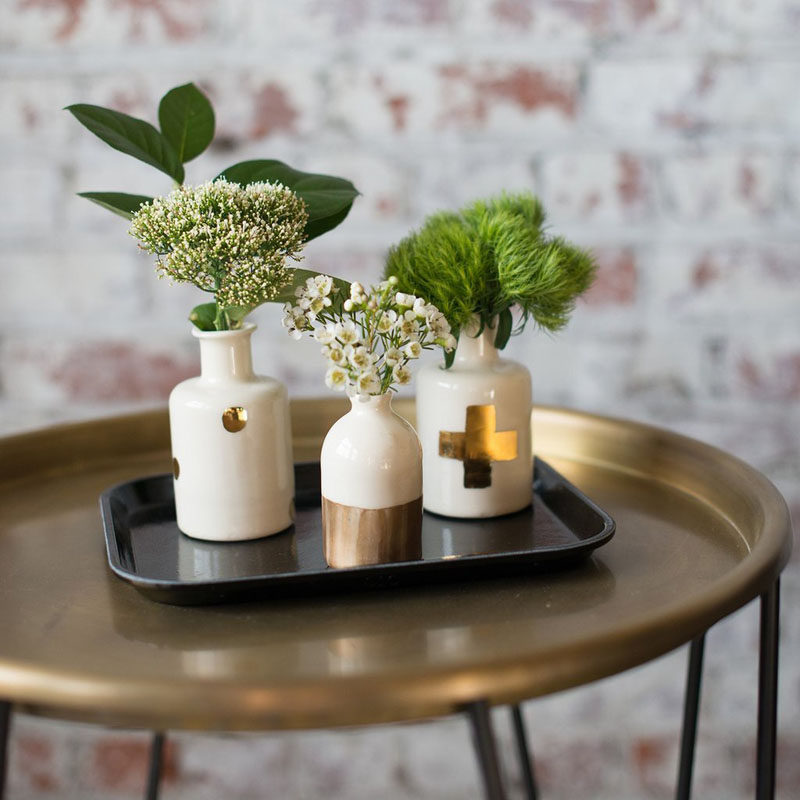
(699, 534)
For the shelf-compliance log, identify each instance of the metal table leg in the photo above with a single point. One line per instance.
(5, 727)
(691, 706)
(486, 749)
(156, 760)
(524, 753)
(768, 693)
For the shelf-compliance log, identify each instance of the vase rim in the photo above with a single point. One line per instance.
(247, 327)
(369, 399)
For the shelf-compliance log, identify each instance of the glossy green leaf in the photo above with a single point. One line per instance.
(120, 203)
(187, 121)
(203, 316)
(505, 322)
(131, 136)
(328, 199)
(236, 314)
(316, 227)
(449, 358)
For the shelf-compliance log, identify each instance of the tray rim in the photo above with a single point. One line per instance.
(582, 549)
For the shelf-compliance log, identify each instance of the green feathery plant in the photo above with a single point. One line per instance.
(490, 257)
(186, 128)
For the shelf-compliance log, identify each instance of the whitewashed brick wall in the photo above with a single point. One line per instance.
(664, 134)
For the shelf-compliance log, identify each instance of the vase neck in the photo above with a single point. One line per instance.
(371, 403)
(476, 349)
(226, 355)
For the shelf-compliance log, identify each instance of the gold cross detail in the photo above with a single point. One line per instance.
(478, 446)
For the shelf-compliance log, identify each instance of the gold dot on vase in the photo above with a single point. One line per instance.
(234, 419)
(176, 468)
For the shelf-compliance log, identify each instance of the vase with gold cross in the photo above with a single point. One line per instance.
(474, 422)
(231, 444)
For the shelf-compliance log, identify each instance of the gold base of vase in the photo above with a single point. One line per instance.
(356, 537)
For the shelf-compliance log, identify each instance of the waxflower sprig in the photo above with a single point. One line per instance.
(370, 339)
(229, 240)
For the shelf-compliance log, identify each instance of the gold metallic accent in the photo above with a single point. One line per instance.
(234, 419)
(699, 535)
(355, 537)
(176, 469)
(479, 445)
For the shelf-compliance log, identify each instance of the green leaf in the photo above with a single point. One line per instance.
(449, 358)
(505, 322)
(236, 314)
(126, 205)
(187, 121)
(203, 316)
(328, 199)
(316, 227)
(130, 135)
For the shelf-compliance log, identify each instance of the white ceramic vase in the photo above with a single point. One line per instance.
(231, 445)
(474, 422)
(371, 471)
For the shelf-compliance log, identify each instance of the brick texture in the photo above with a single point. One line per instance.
(663, 134)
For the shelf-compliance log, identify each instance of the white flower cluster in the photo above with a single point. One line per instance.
(369, 338)
(225, 238)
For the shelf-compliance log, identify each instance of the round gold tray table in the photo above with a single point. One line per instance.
(699, 534)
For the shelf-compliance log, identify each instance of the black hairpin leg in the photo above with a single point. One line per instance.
(486, 749)
(691, 705)
(523, 751)
(768, 694)
(156, 760)
(5, 727)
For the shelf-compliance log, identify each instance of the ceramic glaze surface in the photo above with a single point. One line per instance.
(474, 424)
(371, 457)
(231, 441)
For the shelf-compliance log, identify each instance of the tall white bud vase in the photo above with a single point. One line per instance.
(231, 445)
(371, 471)
(474, 422)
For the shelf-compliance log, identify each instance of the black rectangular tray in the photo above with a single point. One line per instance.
(146, 548)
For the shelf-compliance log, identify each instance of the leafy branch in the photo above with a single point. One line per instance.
(186, 128)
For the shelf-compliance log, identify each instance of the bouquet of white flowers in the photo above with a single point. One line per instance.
(370, 338)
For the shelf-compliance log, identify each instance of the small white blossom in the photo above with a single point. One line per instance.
(438, 324)
(294, 319)
(360, 358)
(336, 379)
(324, 284)
(401, 374)
(404, 299)
(318, 304)
(409, 325)
(334, 353)
(346, 332)
(392, 356)
(349, 305)
(449, 342)
(368, 383)
(324, 335)
(412, 350)
(386, 321)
